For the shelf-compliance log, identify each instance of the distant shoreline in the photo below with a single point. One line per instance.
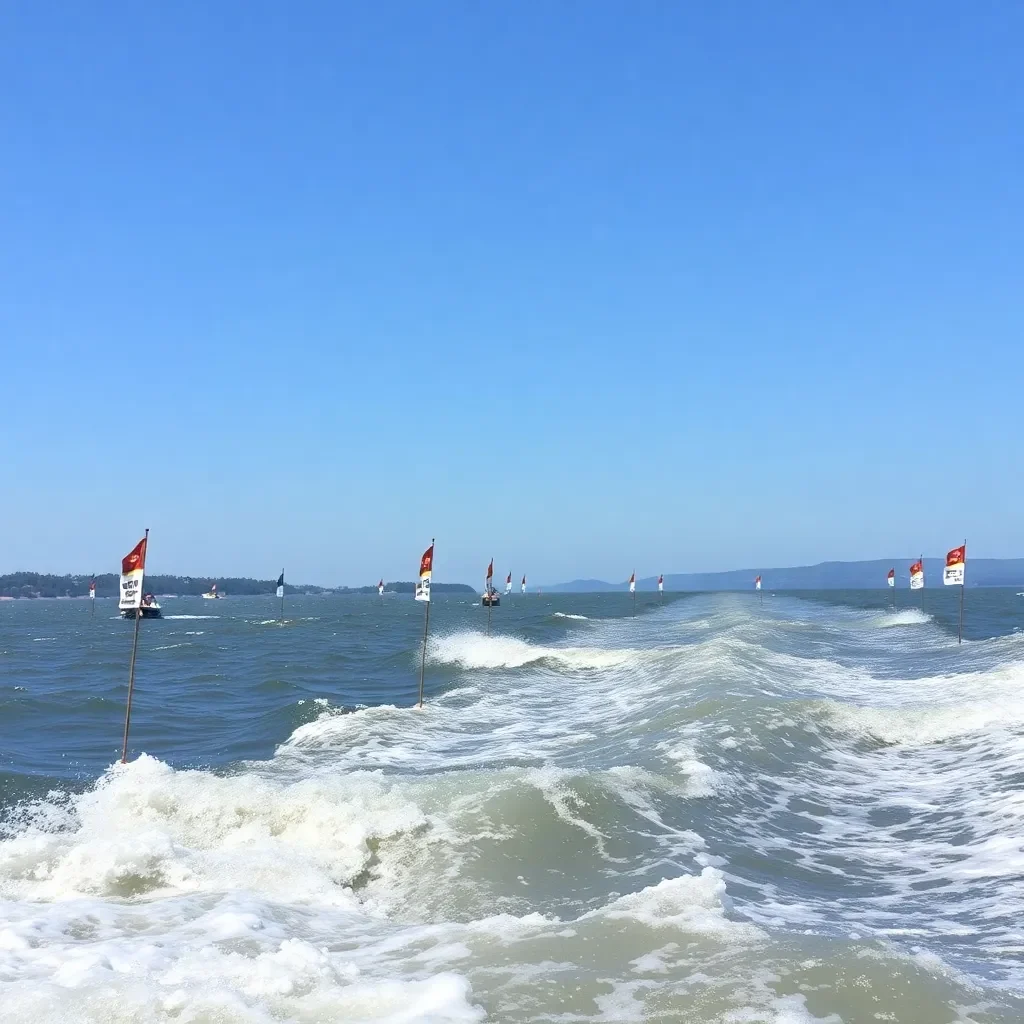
(34, 586)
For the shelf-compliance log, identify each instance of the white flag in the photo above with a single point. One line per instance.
(953, 574)
(426, 568)
(917, 576)
(661, 584)
(632, 583)
(892, 577)
(133, 569)
(757, 582)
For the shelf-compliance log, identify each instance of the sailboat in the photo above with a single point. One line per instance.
(211, 594)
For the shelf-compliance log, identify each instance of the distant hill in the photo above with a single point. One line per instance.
(34, 585)
(868, 575)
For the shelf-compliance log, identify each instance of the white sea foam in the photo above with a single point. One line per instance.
(191, 616)
(567, 615)
(471, 650)
(904, 617)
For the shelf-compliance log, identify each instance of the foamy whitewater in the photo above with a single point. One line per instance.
(806, 811)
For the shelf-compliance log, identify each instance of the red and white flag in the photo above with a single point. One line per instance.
(956, 560)
(508, 584)
(522, 586)
(490, 573)
(380, 588)
(917, 575)
(757, 582)
(133, 570)
(92, 589)
(426, 568)
(891, 577)
(632, 583)
(661, 584)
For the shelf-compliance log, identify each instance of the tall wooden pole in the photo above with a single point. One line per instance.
(426, 627)
(131, 667)
(960, 628)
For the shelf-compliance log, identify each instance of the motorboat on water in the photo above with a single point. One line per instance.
(491, 598)
(211, 594)
(150, 609)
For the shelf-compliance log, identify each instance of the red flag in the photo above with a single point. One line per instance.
(427, 561)
(917, 567)
(957, 555)
(891, 574)
(632, 578)
(135, 559)
(508, 578)
(661, 579)
(490, 569)
(380, 584)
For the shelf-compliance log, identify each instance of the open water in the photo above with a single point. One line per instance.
(809, 810)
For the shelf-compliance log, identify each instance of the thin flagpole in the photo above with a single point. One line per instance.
(282, 594)
(131, 667)
(634, 593)
(426, 626)
(488, 587)
(960, 629)
(894, 589)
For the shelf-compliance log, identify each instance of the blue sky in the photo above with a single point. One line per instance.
(585, 287)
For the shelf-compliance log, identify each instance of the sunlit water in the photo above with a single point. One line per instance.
(714, 811)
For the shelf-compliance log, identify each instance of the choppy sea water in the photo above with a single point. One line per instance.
(715, 811)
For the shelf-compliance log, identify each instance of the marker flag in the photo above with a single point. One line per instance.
(757, 582)
(280, 585)
(522, 586)
(133, 569)
(917, 576)
(891, 577)
(632, 583)
(508, 584)
(953, 574)
(92, 589)
(661, 584)
(426, 567)
(380, 588)
(490, 574)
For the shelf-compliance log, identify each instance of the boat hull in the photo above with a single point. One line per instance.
(493, 602)
(147, 613)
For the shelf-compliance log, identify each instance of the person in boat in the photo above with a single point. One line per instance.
(147, 600)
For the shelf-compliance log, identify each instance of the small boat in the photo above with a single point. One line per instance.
(211, 594)
(490, 598)
(150, 609)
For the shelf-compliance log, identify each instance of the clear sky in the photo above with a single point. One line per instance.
(587, 287)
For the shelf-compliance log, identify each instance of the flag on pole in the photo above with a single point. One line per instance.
(661, 584)
(632, 583)
(380, 588)
(133, 569)
(280, 585)
(522, 586)
(757, 582)
(92, 589)
(426, 568)
(490, 574)
(917, 575)
(508, 584)
(953, 574)
(891, 577)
